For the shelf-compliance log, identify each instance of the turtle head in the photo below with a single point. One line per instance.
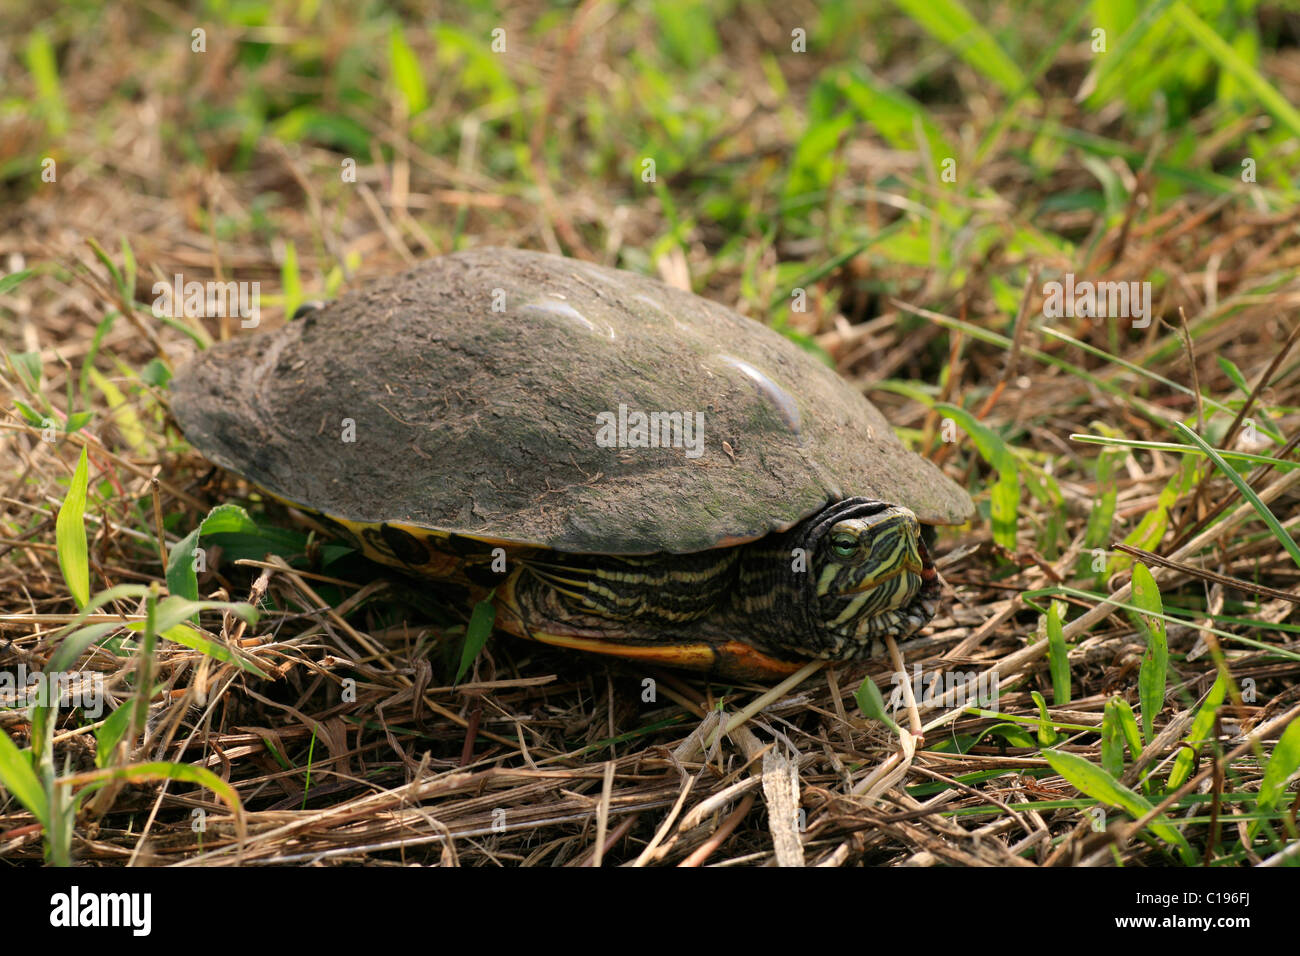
(868, 574)
(871, 575)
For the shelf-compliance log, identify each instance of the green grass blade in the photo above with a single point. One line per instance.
(1247, 492)
(1047, 735)
(185, 635)
(407, 77)
(13, 280)
(1151, 529)
(1004, 497)
(1229, 368)
(43, 66)
(19, 778)
(28, 367)
(172, 610)
(107, 262)
(290, 280)
(145, 772)
(949, 22)
(872, 703)
(30, 415)
(129, 268)
(1231, 61)
(476, 634)
(1202, 728)
(1057, 655)
(1284, 762)
(116, 593)
(1128, 724)
(109, 733)
(72, 646)
(1124, 394)
(993, 136)
(1193, 617)
(70, 535)
(894, 114)
(1108, 73)
(122, 414)
(144, 669)
(1173, 447)
(1115, 360)
(1097, 783)
(1152, 676)
(1112, 740)
(182, 578)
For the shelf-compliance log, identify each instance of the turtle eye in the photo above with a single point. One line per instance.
(844, 545)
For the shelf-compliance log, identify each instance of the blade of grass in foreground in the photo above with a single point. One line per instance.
(187, 636)
(42, 63)
(1148, 410)
(872, 703)
(1108, 73)
(1058, 655)
(406, 75)
(1247, 492)
(1118, 727)
(1136, 369)
(1202, 730)
(1112, 741)
(1193, 617)
(1098, 784)
(476, 634)
(1005, 495)
(1155, 661)
(1230, 61)
(70, 535)
(1279, 463)
(1281, 765)
(14, 279)
(290, 280)
(949, 22)
(182, 576)
(158, 770)
(20, 779)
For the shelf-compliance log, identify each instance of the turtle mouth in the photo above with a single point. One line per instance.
(916, 567)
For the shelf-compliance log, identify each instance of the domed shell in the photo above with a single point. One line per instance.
(495, 393)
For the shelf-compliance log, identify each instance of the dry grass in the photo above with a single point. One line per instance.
(357, 748)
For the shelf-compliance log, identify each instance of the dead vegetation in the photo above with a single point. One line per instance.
(358, 747)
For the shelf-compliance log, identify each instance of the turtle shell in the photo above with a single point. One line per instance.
(493, 393)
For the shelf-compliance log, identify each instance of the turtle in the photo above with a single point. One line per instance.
(617, 465)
